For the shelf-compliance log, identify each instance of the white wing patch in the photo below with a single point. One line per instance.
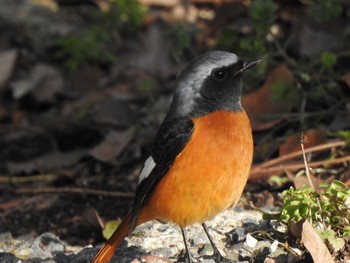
(147, 169)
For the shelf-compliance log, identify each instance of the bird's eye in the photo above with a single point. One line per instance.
(219, 74)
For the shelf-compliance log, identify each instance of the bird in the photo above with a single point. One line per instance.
(202, 152)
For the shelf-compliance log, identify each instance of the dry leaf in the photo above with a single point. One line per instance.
(269, 260)
(12, 204)
(344, 86)
(47, 162)
(4, 113)
(110, 112)
(188, 14)
(168, 3)
(49, 4)
(7, 63)
(296, 228)
(301, 181)
(37, 203)
(259, 104)
(86, 79)
(98, 109)
(315, 245)
(112, 145)
(91, 217)
(292, 144)
(346, 79)
(44, 82)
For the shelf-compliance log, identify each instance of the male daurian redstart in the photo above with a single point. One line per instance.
(201, 155)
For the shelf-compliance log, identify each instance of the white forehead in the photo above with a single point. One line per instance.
(191, 78)
(205, 64)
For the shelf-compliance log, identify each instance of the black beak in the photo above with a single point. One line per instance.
(248, 65)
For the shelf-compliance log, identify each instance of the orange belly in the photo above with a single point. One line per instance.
(210, 173)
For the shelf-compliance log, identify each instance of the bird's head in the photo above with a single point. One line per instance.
(211, 82)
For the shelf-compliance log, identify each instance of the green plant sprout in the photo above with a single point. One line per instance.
(327, 209)
(324, 10)
(89, 46)
(86, 48)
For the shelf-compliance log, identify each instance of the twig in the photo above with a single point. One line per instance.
(298, 153)
(285, 246)
(307, 170)
(26, 179)
(251, 205)
(73, 190)
(345, 53)
(281, 50)
(292, 167)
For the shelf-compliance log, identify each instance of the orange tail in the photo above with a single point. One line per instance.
(107, 251)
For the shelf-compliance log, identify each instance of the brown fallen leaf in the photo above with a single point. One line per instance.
(260, 104)
(38, 202)
(344, 86)
(292, 143)
(261, 171)
(43, 83)
(346, 79)
(91, 217)
(114, 143)
(86, 79)
(48, 162)
(295, 228)
(7, 63)
(109, 112)
(4, 113)
(95, 109)
(49, 4)
(302, 181)
(11, 204)
(314, 244)
(168, 3)
(188, 13)
(269, 260)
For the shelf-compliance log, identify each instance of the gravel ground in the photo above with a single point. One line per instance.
(232, 231)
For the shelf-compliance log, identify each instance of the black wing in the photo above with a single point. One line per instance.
(170, 140)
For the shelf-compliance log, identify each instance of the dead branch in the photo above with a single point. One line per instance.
(73, 190)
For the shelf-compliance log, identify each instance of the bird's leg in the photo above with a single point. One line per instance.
(183, 231)
(216, 253)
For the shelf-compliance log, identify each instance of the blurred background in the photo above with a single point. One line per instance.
(84, 86)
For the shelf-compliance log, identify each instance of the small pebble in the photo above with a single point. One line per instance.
(237, 235)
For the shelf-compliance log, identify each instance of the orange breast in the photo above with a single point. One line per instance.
(210, 173)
